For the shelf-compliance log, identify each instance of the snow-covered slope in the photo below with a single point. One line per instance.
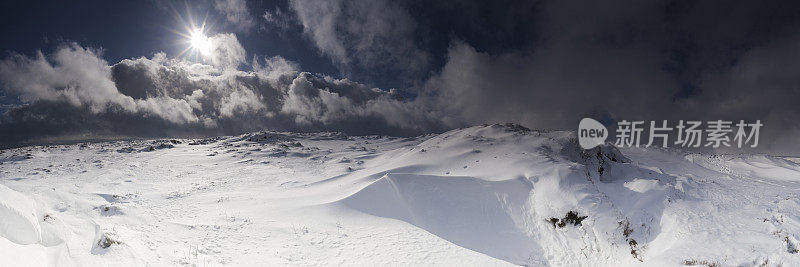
(486, 195)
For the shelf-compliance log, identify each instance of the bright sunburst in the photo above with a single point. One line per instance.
(195, 36)
(200, 42)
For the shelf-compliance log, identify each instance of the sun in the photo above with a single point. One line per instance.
(195, 36)
(200, 42)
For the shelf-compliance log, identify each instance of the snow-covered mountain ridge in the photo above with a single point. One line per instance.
(484, 195)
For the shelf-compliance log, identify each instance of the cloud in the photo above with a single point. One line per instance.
(319, 21)
(278, 18)
(272, 67)
(362, 34)
(763, 85)
(549, 89)
(236, 13)
(176, 111)
(615, 62)
(226, 51)
(161, 96)
(77, 76)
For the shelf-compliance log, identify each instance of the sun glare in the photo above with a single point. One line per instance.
(194, 35)
(200, 42)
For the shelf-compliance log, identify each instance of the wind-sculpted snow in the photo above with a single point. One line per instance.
(19, 224)
(485, 195)
(472, 213)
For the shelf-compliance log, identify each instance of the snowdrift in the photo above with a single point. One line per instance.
(27, 238)
(20, 223)
(476, 214)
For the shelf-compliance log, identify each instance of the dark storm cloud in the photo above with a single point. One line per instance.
(763, 84)
(547, 64)
(645, 60)
(590, 59)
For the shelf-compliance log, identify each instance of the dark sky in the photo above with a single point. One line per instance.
(109, 69)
